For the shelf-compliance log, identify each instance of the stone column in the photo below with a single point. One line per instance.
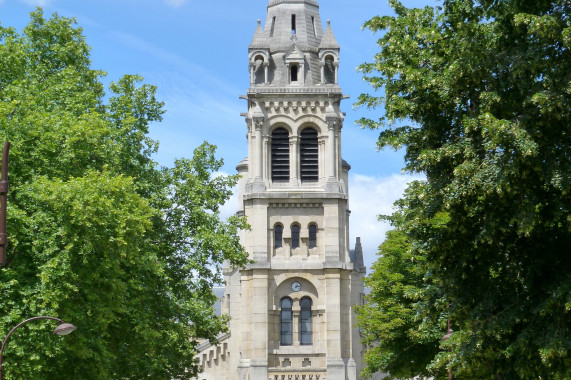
(258, 123)
(294, 159)
(322, 64)
(336, 65)
(259, 361)
(331, 162)
(252, 74)
(266, 66)
(335, 363)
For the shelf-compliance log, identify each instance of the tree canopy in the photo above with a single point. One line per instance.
(402, 339)
(478, 92)
(99, 235)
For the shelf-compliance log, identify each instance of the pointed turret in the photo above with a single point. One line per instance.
(293, 26)
(328, 41)
(259, 40)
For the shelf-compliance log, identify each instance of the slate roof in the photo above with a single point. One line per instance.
(259, 40)
(329, 41)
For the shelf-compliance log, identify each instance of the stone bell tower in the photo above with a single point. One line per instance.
(291, 310)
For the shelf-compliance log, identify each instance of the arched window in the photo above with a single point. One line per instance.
(259, 71)
(329, 70)
(280, 155)
(312, 236)
(286, 322)
(305, 322)
(293, 72)
(294, 236)
(309, 160)
(278, 236)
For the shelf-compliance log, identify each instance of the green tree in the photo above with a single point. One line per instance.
(99, 235)
(401, 339)
(486, 87)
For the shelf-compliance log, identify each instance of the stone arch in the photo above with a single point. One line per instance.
(281, 288)
(329, 65)
(310, 121)
(259, 64)
(281, 124)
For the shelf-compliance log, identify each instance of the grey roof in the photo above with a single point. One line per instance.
(259, 40)
(329, 41)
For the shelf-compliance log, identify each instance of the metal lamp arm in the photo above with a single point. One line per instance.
(14, 329)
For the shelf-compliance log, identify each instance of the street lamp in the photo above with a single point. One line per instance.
(63, 329)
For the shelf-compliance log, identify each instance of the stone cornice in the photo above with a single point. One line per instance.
(277, 2)
(267, 90)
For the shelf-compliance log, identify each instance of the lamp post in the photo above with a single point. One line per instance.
(63, 329)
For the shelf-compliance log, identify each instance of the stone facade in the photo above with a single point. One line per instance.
(291, 310)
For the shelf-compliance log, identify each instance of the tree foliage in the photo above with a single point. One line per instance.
(98, 234)
(401, 338)
(486, 87)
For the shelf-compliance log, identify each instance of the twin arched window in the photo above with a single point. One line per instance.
(286, 322)
(305, 321)
(308, 154)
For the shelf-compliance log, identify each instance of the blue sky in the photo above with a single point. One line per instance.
(196, 52)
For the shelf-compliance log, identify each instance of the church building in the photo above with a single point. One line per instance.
(291, 310)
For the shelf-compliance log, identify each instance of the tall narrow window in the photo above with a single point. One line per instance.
(309, 160)
(278, 236)
(280, 155)
(313, 25)
(294, 72)
(312, 236)
(295, 236)
(305, 322)
(273, 26)
(286, 322)
(292, 24)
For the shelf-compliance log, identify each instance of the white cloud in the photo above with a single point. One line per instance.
(176, 3)
(368, 198)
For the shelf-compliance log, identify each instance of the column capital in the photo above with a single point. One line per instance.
(332, 123)
(258, 123)
(293, 139)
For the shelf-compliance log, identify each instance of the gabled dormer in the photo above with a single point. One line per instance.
(294, 60)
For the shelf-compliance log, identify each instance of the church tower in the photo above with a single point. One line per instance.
(291, 310)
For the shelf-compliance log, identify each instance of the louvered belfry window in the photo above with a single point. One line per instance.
(280, 155)
(309, 161)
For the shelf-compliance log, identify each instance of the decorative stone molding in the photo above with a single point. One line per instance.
(296, 205)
